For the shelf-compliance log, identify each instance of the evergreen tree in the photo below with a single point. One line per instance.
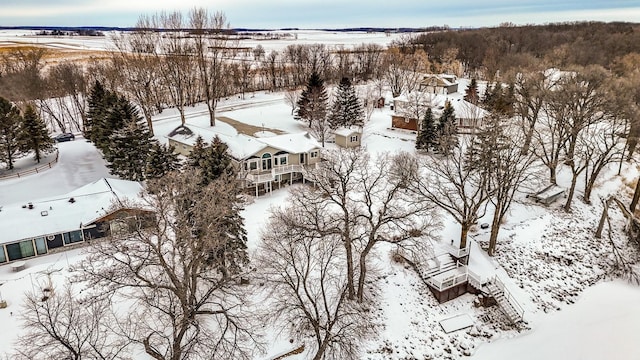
(447, 135)
(312, 105)
(129, 148)
(34, 134)
(121, 113)
(346, 110)
(426, 139)
(216, 162)
(160, 161)
(100, 102)
(197, 154)
(212, 160)
(10, 121)
(471, 93)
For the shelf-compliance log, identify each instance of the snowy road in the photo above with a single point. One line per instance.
(79, 164)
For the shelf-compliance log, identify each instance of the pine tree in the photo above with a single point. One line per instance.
(100, 102)
(34, 134)
(129, 147)
(346, 110)
(471, 93)
(426, 139)
(197, 154)
(447, 135)
(10, 120)
(121, 113)
(312, 105)
(216, 162)
(161, 161)
(212, 160)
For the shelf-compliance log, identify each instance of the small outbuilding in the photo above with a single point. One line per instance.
(348, 137)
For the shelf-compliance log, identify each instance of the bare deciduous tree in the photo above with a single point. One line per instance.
(308, 295)
(497, 149)
(453, 185)
(62, 324)
(181, 270)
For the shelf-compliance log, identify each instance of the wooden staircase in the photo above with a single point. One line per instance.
(505, 300)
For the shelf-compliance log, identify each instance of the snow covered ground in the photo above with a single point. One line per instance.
(549, 260)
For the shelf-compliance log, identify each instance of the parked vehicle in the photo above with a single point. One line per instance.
(64, 137)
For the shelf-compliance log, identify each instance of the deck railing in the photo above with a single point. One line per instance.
(475, 280)
(450, 281)
(459, 253)
(507, 295)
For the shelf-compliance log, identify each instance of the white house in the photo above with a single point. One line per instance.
(262, 162)
(41, 226)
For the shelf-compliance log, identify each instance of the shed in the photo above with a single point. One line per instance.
(348, 137)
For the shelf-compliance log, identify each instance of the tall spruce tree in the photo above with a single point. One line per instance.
(34, 135)
(346, 110)
(129, 147)
(99, 105)
(427, 135)
(471, 93)
(212, 160)
(312, 105)
(447, 134)
(10, 120)
(161, 161)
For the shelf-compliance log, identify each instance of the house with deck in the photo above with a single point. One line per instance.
(262, 163)
(409, 111)
(43, 226)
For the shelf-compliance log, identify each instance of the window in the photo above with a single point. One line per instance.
(283, 160)
(3, 257)
(266, 161)
(20, 250)
(253, 165)
(314, 154)
(41, 247)
(354, 138)
(72, 237)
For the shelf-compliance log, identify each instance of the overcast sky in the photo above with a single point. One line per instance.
(322, 13)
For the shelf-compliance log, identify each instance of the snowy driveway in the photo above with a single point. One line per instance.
(79, 164)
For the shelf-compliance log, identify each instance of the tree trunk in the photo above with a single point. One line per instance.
(572, 189)
(463, 235)
(552, 175)
(495, 228)
(350, 273)
(605, 211)
(636, 197)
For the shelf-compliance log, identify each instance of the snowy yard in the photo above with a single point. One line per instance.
(575, 306)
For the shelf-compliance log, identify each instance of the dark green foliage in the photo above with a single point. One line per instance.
(312, 105)
(213, 160)
(100, 102)
(471, 93)
(346, 110)
(499, 99)
(160, 161)
(129, 150)
(447, 130)
(427, 135)
(34, 135)
(196, 156)
(10, 121)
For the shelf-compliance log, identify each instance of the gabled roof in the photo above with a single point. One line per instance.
(344, 131)
(242, 146)
(292, 143)
(61, 214)
(441, 80)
